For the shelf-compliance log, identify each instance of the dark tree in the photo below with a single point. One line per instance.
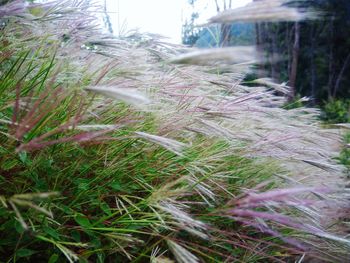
(315, 53)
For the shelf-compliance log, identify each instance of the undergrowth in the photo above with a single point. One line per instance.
(336, 111)
(344, 157)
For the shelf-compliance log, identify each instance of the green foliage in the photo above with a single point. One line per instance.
(344, 157)
(323, 56)
(296, 103)
(241, 35)
(190, 33)
(337, 111)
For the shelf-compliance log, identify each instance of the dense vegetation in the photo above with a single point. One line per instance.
(318, 49)
(128, 150)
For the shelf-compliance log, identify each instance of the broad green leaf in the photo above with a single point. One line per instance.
(52, 232)
(24, 252)
(23, 157)
(116, 186)
(19, 227)
(83, 221)
(76, 236)
(53, 258)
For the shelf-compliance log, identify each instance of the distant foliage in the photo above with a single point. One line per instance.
(344, 157)
(190, 33)
(337, 111)
(323, 67)
(241, 34)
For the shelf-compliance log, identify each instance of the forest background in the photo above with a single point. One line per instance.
(312, 56)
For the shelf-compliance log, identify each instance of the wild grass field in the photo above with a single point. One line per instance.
(130, 149)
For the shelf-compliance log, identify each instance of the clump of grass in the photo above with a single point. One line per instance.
(111, 153)
(344, 157)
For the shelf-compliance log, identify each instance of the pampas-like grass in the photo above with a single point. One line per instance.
(187, 177)
(131, 96)
(263, 11)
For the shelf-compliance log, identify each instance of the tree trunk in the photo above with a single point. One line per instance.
(107, 18)
(340, 76)
(274, 53)
(225, 29)
(217, 6)
(290, 44)
(288, 47)
(331, 59)
(225, 35)
(313, 66)
(259, 47)
(294, 66)
(258, 40)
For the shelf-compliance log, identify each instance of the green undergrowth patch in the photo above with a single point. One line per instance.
(105, 203)
(344, 157)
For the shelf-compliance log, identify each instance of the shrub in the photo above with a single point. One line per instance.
(337, 111)
(344, 157)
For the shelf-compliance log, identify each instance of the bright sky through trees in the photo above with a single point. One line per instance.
(163, 17)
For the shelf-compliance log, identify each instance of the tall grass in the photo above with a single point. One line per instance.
(126, 150)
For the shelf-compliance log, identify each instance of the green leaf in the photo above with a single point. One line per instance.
(24, 252)
(76, 236)
(105, 208)
(116, 186)
(53, 258)
(83, 221)
(19, 228)
(83, 184)
(52, 232)
(95, 241)
(9, 164)
(101, 257)
(66, 210)
(23, 157)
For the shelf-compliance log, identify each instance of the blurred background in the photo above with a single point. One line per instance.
(313, 55)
